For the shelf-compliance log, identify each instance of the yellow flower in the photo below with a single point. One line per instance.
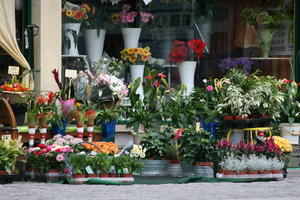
(86, 7)
(115, 18)
(69, 13)
(147, 48)
(145, 58)
(130, 50)
(132, 59)
(283, 144)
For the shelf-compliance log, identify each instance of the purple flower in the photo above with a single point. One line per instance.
(241, 63)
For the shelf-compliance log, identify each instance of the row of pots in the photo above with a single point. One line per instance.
(250, 174)
(241, 117)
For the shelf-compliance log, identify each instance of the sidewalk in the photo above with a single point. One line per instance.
(287, 189)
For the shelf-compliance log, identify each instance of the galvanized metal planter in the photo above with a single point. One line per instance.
(155, 167)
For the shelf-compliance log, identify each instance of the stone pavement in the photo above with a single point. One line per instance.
(288, 189)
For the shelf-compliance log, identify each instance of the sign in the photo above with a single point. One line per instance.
(13, 70)
(6, 137)
(70, 73)
(147, 1)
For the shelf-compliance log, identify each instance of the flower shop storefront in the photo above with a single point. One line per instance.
(200, 89)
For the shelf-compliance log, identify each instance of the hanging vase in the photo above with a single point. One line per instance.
(71, 32)
(187, 73)
(94, 42)
(137, 71)
(266, 36)
(108, 130)
(131, 37)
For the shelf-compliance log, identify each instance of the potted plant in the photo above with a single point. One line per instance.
(9, 151)
(131, 24)
(228, 165)
(290, 112)
(104, 164)
(127, 165)
(184, 54)
(73, 16)
(199, 148)
(266, 20)
(78, 164)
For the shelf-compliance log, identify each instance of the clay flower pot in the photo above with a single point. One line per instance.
(104, 175)
(228, 117)
(127, 175)
(91, 175)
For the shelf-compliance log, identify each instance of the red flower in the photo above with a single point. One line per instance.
(178, 134)
(156, 83)
(40, 100)
(287, 81)
(56, 77)
(298, 84)
(51, 96)
(178, 53)
(198, 47)
(161, 75)
(89, 112)
(149, 77)
(78, 15)
(42, 146)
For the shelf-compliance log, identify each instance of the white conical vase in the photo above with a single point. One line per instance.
(131, 37)
(137, 71)
(187, 73)
(94, 43)
(266, 36)
(71, 31)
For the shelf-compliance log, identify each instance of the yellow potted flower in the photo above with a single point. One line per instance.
(136, 57)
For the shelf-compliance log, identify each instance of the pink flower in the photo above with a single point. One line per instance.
(178, 134)
(209, 88)
(60, 157)
(66, 170)
(123, 16)
(130, 16)
(146, 17)
(50, 147)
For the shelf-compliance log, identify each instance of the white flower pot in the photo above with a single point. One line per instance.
(94, 43)
(290, 132)
(68, 30)
(137, 71)
(187, 73)
(131, 37)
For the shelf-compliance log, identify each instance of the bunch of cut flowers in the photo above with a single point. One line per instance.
(136, 55)
(73, 13)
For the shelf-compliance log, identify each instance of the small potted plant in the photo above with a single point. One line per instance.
(127, 165)
(78, 163)
(103, 164)
(9, 151)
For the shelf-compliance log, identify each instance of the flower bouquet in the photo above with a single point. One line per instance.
(184, 54)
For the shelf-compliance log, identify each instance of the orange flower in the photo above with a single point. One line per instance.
(78, 15)
(144, 58)
(86, 7)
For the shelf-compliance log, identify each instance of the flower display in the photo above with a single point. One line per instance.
(59, 140)
(137, 151)
(182, 51)
(283, 144)
(133, 18)
(14, 86)
(74, 13)
(242, 63)
(136, 55)
(104, 147)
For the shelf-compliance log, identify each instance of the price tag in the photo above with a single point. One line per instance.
(13, 70)
(89, 170)
(147, 1)
(70, 73)
(6, 137)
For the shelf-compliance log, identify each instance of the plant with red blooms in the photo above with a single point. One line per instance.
(290, 108)
(64, 88)
(45, 157)
(182, 51)
(14, 86)
(148, 110)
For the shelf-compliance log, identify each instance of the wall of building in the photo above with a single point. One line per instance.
(47, 45)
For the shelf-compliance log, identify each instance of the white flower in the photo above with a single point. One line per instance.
(113, 2)
(204, 81)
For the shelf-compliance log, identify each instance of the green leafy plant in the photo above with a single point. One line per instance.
(9, 151)
(78, 163)
(126, 162)
(103, 162)
(197, 146)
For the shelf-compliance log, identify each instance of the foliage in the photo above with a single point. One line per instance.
(64, 89)
(207, 8)
(127, 164)
(108, 114)
(290, 107)
(9, 151)
(109, 65)
(103, 162)
(156, 143)
(196, 146)
(78, 163)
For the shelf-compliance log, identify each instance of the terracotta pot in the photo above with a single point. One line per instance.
(241, 173)
(91, 175)
(276, 171)
(228, 117)
(266, 116)
(240, 117)
(104, 175)
(127, 175)
(229, 172)
(221, 172)
(204, 164)
(3, 172)
(265, 172)
(252, 172)
(113, 175)
(78, 175)
(52, 171)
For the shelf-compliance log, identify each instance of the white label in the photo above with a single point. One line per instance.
(70, 73)
(198, 126)
(13, 70)
(147, 1)
(89, 170)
